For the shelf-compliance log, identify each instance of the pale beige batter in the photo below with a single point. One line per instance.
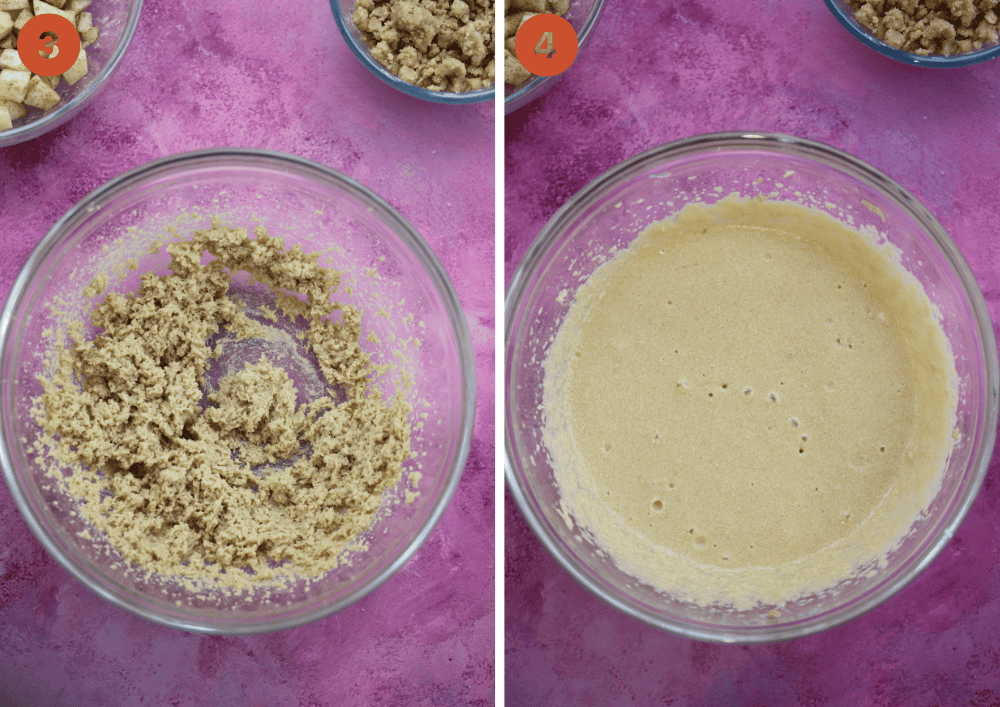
(245, 486)
(740, 413)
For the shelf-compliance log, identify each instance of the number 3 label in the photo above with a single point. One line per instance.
(546, 44)
(48, 45)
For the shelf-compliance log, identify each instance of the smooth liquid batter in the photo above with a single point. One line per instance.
(740, 413)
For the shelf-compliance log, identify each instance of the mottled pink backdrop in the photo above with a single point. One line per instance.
(659, 70)
(280, 77)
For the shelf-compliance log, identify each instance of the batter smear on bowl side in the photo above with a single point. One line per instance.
(237, 485)
(750, 404)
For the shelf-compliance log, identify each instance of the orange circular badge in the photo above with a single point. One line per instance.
(546, 44)
(48, 45)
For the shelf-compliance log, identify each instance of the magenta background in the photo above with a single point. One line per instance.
(660, 70)
(280, 77)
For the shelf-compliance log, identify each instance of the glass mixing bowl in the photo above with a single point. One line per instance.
(307, 205)
(609, 213)
(583, 15)
(843, 12)
(116, 21)
(342, 10)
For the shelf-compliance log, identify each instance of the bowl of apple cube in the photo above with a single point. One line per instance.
(32, 104)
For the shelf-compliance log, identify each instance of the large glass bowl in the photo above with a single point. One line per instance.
(583, 15)
(116, 21)
(307, 205)
(342, 10)
(843, 12)
(609, 213)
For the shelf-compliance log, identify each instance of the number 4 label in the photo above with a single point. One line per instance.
(536, 41)
(544, 45)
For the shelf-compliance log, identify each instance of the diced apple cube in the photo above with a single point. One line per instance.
(40, 94)
(16, 110)
(78, 70)
(22, 19)
(11, 5)
(43, 8)
(14, 84)
(10, 59)
(6, 24)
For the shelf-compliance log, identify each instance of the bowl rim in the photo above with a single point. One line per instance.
(273, 161)
(517, 293)
(364, 56)
(537, 85)
(934, 61)
(67, 110)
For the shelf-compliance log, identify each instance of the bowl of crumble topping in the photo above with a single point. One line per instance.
(931, 33)
(441, 51)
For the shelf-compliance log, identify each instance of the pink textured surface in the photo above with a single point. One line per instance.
(232, 73)
(659, 70)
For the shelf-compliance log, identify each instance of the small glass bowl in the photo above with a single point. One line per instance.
(843, 12)
(609, 213)
(583, 15)
(307, 205)
(116, 21)
(342, 10)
